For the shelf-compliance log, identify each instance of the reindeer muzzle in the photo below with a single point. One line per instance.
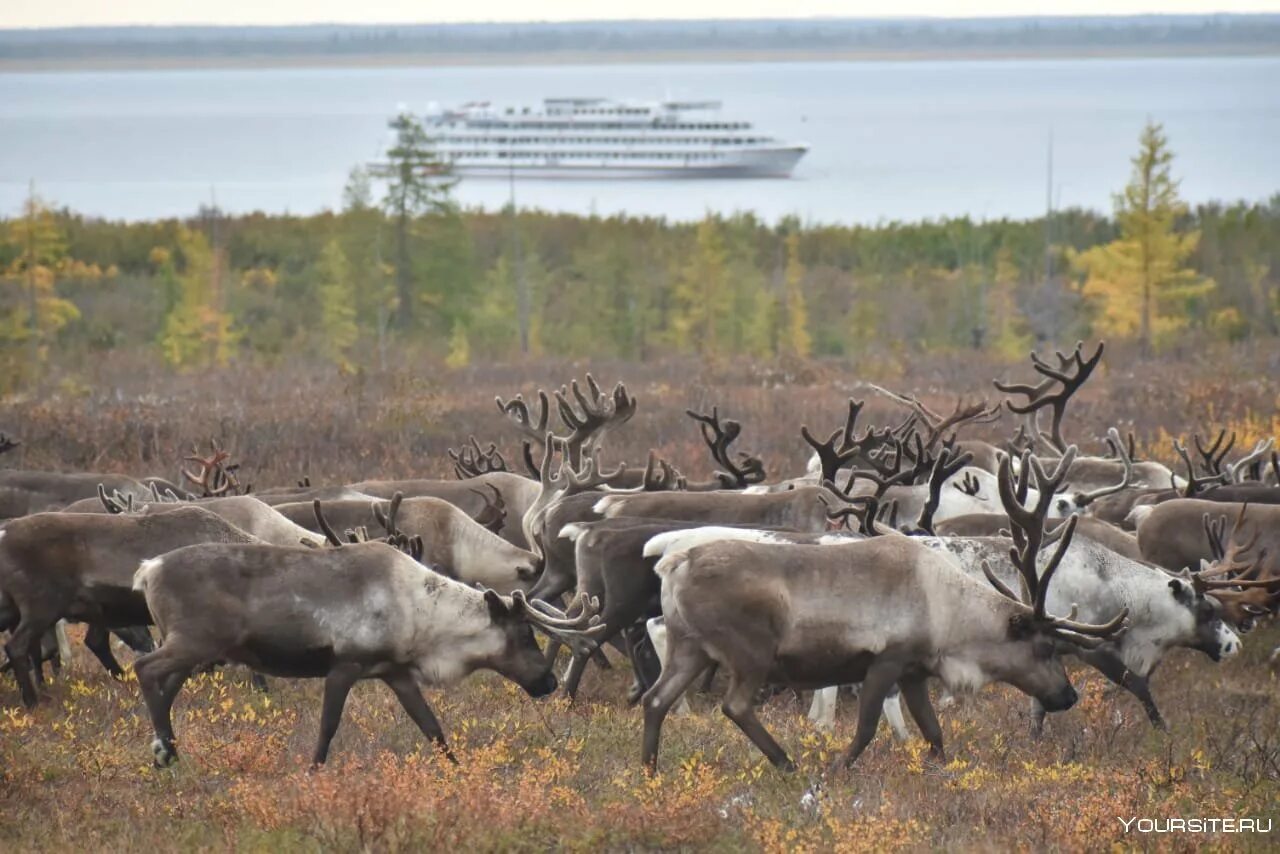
(544, 686)
(1060, 701)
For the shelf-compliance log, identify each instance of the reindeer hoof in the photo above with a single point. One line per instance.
(163, 754)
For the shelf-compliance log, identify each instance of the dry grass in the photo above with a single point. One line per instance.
(536, 775)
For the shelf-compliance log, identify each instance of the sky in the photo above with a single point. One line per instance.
(69, 13)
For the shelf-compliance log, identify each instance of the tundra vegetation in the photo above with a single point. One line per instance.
(228, 339)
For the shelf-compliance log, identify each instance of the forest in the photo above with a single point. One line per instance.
(401, 270)
(1117, 34)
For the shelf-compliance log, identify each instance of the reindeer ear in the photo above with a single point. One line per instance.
(1204, 564)
(498, 609)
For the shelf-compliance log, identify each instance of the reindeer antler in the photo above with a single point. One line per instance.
(938, 425)
(1029, 537)
(1235, 470)
(1194, 484)
(215, 477)
(748, 470)
(1070, 374)
(596, 414)
(1084, 499)
(494, 514)
(472, 461)
(661, 476)
(115, 503)
(1214, 454)
(852, 445)
(591, 475)
(947, 464)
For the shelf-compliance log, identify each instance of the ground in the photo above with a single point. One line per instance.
(534, 775)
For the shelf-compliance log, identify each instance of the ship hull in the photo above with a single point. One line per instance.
(756, 163)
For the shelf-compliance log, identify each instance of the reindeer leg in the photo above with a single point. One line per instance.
(1112, 668)
(916, 694)
(740, 707)
(573, 675)
(642, 659)
(410, 696)
(822, 710)
(708, 675)
(880, 679)
(684, 662)
(1037, 718)
(98, 640)
(22, 648)
(893, 714)
(337, 685)
(160, 676)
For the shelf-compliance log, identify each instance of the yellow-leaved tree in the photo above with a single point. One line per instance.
(33, 313)
(796, 340)
(1140, 282)
(700, 290)
(338, 329)
(197, 332)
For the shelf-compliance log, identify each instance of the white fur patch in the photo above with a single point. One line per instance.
(962, 676)
(572, 532)
(837, 539)
(1139, 514)
(64, 644)
(893, 713)
(822, 711)
(758, 489)
(656, 627)
(1228, 641)
(814, 466)
(673, 542)
(144, 571)
(602, 506)
(669, 564)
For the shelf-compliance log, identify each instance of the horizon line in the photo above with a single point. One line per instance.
(635, 20)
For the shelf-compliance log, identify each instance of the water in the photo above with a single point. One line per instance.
(889, 140)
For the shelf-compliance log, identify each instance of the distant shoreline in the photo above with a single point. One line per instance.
(619, 57)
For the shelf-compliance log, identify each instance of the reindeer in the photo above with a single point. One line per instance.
(25, 492)
(365, 611)
(1185, 535)
(1103, 533)
(812, 616)
(80, 567)
(247, 512)
(453, 543)
(471, 496)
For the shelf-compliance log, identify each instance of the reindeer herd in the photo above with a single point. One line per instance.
(903, 554)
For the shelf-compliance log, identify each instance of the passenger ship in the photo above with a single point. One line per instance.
(596, 137)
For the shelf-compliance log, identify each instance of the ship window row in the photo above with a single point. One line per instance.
(556, 125)
(590, 155)
(597, 140)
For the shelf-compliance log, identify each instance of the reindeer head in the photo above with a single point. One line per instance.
(1237, 584)
(519, 657)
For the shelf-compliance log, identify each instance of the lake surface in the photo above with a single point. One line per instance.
(892, 140)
